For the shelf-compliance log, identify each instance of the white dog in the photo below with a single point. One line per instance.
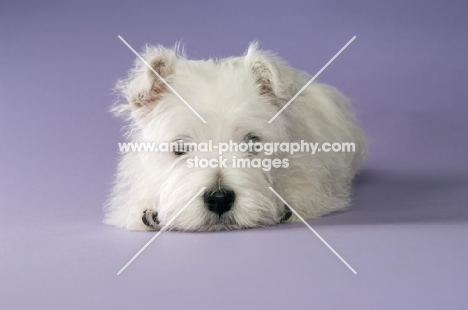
(237, 96)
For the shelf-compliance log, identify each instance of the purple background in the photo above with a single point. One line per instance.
(406, 233)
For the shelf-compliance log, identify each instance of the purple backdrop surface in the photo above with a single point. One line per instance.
(405, 234)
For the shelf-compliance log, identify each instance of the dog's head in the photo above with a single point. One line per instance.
(236, 97)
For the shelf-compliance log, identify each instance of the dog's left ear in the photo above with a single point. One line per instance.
(273, 77)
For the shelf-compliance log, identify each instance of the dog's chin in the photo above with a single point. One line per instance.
(227, 222)
(218, 226)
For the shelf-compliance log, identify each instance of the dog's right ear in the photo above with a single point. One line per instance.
(273, 76)
(143, 88)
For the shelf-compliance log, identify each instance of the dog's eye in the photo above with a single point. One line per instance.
(251, 137)
(180, 148)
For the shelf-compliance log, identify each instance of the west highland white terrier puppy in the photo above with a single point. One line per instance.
(237, 97)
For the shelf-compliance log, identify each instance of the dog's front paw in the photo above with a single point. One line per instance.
(150, 218)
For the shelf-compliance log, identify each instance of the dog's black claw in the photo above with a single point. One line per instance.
(150, 218)
(155, 217)
(145, 221)
(287, 214)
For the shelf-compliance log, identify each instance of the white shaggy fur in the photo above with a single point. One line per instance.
(236, 96)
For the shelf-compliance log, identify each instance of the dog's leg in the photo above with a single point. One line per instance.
(150, 218)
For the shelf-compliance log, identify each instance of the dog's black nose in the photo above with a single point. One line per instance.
(220, 200)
